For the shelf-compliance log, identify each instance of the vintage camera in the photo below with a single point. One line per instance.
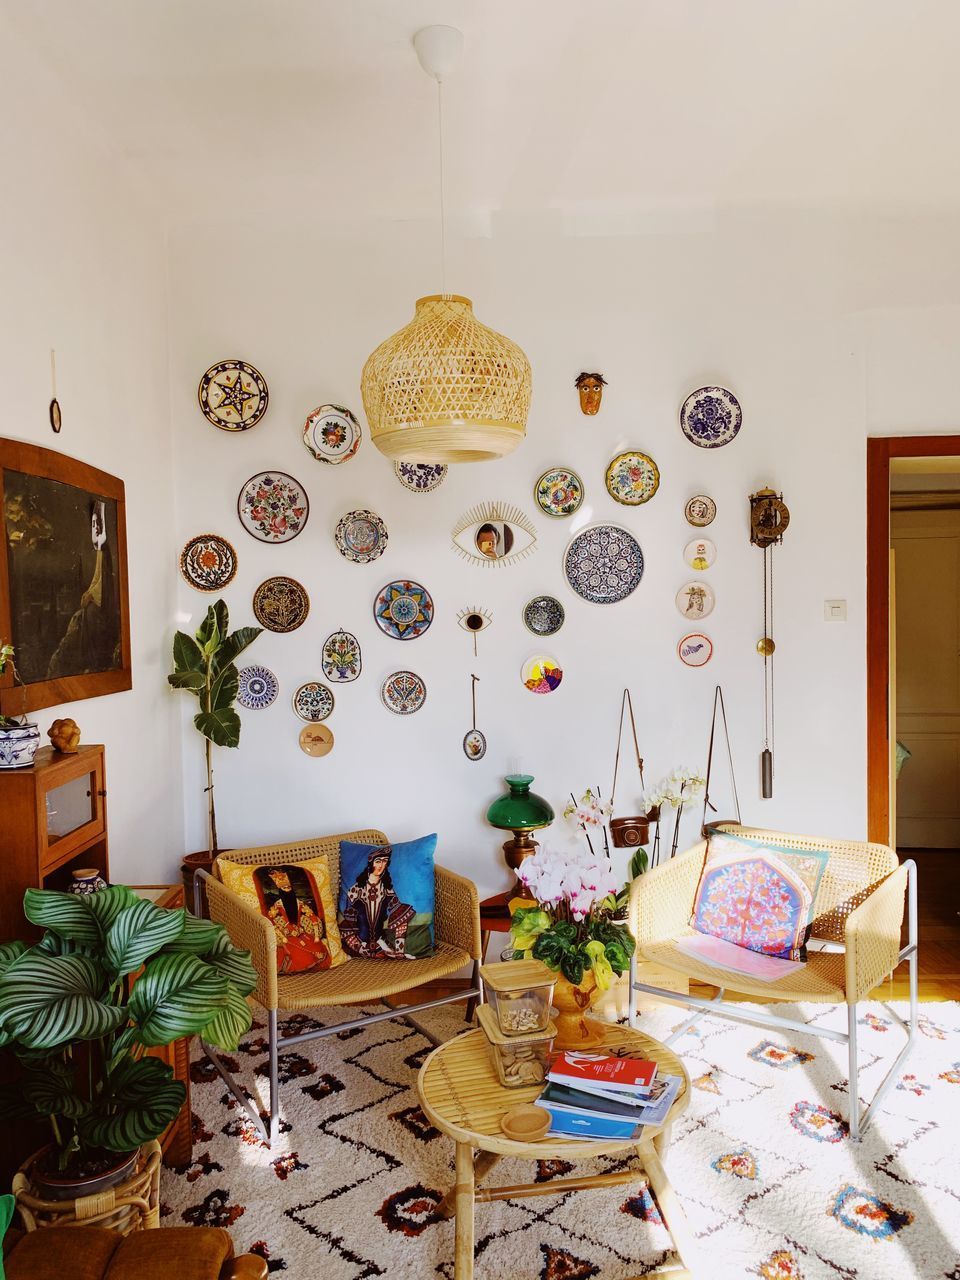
(629, 833)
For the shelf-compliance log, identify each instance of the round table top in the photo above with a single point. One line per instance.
(462, 1096)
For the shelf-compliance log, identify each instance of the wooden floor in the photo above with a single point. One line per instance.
(938, 909)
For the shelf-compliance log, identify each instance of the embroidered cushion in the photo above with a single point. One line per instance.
(387, 899)
(295, 897)
(758, 895)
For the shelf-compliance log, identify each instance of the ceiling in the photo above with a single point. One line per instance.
(234, 107)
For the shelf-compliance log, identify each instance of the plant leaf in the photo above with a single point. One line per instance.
(234, 964)
(142, 1099)
(186, 653)
(176, 995)
(137, 932)
(225, 688)
(47, 1001)
(197, 937)
(49, 1089)
(64, 913)
(221, 727)
(192, 680)
(9, 952)
(106, 904)
(213, 629)
(230, 1023)
(235, 644)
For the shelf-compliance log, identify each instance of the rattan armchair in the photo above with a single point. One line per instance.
(359, 981)
(855, 944)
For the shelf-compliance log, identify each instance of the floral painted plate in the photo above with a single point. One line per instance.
(710, 417)
(341, 657)
(403, 610)
(695, 650)
(700, 553)
(332, 433)
(420, 477)
(316, 740)
(208, 562)
(273, 507)
(313, 701)
(696, 600)
(559, 492)
(258, 688)
(361, 536)
(281, 604)
(700, 511)
(403, 693)
(233, 395)
(603, 563)
(541, 674)
(632, 478)
(543, 615)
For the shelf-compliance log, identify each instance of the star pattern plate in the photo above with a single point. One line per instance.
(313, 701)
(273, 507)
(233, 395)
(361, 536)
(603, 563)
(711, 417)
(208, 562)
(420, 477)
(281, 604)
(403, 610)
(403, 693)
(332, 433)
(258, 688)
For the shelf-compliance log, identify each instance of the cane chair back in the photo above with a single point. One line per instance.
(301, 851)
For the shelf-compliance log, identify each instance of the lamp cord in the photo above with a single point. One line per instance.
(443, 210)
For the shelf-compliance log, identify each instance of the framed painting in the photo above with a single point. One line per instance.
(64, 604)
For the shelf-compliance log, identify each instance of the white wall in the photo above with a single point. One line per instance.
(82, 269)
(825, 329)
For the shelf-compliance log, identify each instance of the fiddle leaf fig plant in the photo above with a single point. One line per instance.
(205, 664)
(77, 985)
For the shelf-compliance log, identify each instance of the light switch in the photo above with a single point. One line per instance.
(834, 610)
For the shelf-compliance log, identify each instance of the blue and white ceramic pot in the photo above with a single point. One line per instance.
(18, 745)
(86, 880)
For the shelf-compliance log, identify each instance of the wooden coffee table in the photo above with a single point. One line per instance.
(462, 1097)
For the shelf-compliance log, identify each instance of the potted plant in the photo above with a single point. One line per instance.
(19, 738)
(205, 664)
(573, 929)
(112, 976)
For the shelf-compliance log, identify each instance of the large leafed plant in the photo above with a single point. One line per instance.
(113, 976)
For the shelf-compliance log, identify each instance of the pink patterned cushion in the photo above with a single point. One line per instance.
(759, 896)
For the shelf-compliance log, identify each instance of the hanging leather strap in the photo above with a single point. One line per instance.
(626, 704)
(718, 702)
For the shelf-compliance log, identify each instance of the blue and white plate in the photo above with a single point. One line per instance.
(710, 417)
(603, 563)
(420, 477)
(543, 615)
(361, 536)
(313, 701)
(258, 688)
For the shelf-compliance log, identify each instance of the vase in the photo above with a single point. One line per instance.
(86, 880)
(18, 746)
(574, 1029)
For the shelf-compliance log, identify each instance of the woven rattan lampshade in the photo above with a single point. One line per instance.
(445, 388)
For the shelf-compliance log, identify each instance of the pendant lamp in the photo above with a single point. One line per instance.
(445, 388)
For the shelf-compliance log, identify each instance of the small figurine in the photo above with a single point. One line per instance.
(590, 386)
(65, 736)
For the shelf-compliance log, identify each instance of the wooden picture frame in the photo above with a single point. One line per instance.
(64, 601)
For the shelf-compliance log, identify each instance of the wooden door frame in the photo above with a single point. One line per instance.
(880, 450)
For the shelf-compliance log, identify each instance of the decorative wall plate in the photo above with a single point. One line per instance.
(403, 693)
(696, 600)
(341, 657)
(494, 533)
(208, 562)
(695, 650)
(541, 674)
(273, 507)
(603, 563)
(543, 615)
(632, 478)
(700, 511)
(233, 395)
(474, 745)
(420, 477)
(403, 610)
(258, 688)
(700, 553)
(313, 701)
(710, 417)
(332, 433)
(281, 604)
(361, 536)
(559, 492)
(316, 740)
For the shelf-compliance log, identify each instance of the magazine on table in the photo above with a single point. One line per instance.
(561, 1099)
(568, 1124)
(611, 1072)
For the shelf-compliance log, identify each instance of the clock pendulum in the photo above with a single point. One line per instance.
(769, 518)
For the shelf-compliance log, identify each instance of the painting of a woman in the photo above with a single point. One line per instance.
(375, 922)
(290, 900)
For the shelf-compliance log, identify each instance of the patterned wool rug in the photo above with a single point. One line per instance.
(762, 1163)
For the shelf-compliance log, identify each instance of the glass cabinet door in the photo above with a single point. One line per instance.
(72, 812)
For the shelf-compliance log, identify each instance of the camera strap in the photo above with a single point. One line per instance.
(707, 804)
(626, 704)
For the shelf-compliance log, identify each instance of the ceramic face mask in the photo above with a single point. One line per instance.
(590, 386)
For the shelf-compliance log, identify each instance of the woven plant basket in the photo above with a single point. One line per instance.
(445, 388)
(130, 1206)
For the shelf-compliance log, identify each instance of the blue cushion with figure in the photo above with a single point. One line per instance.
(386, 899)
